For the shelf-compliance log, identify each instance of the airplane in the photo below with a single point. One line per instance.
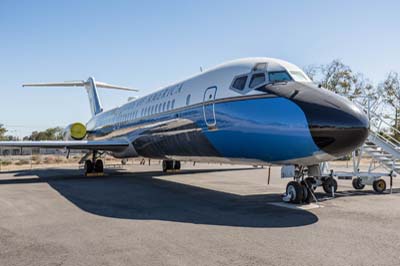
(259, 111)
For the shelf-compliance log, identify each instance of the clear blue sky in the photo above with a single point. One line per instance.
(148, 44)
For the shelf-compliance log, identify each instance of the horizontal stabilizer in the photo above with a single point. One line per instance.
(91, 87)
(80, 83)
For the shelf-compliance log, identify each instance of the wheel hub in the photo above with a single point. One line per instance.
(291, 192)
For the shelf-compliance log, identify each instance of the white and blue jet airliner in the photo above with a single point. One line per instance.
(258, 111)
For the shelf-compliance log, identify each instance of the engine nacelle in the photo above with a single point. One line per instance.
(75, 131)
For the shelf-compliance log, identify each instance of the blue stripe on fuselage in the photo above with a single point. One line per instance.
(268, 129)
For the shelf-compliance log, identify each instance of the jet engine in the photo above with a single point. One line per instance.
(75, 131)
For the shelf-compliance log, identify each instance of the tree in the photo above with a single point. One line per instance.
(390, 90)
(3, 131)
(364, 86)
(339, 78)
(48, 134)
(312, 71)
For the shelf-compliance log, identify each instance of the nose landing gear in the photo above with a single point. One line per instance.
(301, 189)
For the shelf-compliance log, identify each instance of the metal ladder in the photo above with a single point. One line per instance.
(383, 150)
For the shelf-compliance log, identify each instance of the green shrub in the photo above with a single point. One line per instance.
(6, 163)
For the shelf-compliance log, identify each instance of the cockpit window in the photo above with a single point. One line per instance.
(240, 83)
(257, 79)
(260, 67)
(298, 76)
(279, 76)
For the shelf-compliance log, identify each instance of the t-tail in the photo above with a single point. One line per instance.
(91, 87)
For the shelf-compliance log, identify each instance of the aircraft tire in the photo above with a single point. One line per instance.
(357, 183)
(328, 184)
(167, 165)
(88, 167)
(177, 165)
(379, 185)
(294, 189)
(164, 166)
(99, 166)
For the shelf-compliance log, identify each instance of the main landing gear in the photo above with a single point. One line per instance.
(168, 165)
(94, 166)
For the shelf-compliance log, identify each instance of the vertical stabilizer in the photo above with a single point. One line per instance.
(94, 100)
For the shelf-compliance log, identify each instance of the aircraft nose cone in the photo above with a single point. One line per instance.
(338, 127)
(340, 136)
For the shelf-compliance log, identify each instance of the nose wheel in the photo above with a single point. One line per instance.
(294, 192)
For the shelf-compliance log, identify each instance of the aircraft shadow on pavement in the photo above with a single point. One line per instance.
(142, 196)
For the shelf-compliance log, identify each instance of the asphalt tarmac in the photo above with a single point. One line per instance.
(202, 215)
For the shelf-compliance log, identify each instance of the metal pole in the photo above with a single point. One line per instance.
(269, 174)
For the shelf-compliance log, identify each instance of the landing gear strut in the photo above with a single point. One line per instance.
(95, 165)
(170, 165)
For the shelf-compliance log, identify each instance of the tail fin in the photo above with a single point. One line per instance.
(94, 100)
(91, 88)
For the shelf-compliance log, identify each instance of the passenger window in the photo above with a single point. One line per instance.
(188, 99)
(257, 79)
(279, 76)
(240, 83)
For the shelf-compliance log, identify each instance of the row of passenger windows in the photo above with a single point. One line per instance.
(149, 110)
(158, 108)
(260, 78)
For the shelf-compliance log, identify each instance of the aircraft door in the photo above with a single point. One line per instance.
(209, 107)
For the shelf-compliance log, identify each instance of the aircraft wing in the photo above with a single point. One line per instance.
(105, 145)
